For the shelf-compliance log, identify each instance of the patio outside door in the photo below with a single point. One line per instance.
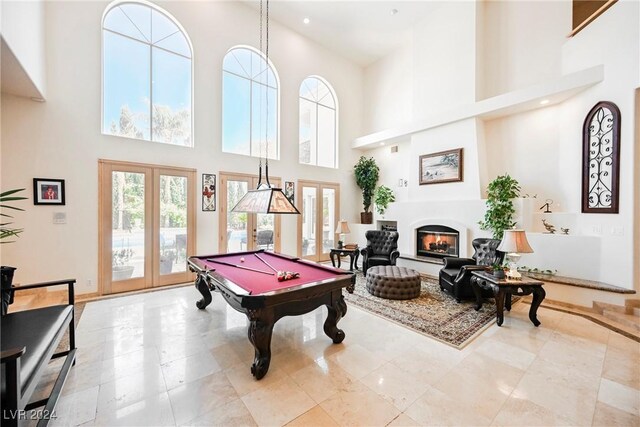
(147, 225)
(319, 204)
(242, 231)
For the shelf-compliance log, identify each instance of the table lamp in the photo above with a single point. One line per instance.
(514, 242)
(342, 229)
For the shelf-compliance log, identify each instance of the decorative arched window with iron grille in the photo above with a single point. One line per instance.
(601, 159)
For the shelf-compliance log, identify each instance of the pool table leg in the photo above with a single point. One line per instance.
(337, 310)
(260, 329)
(203, 287)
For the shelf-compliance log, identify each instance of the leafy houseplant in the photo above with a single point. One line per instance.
(120, 268)
(366, 172)
(167, 257)
(500, 210)
(6, 232)
(122, 256)
(383, 196)
(498, 271)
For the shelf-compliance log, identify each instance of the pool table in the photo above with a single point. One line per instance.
(249, 284)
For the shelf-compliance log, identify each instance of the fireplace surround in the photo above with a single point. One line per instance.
(437, 241)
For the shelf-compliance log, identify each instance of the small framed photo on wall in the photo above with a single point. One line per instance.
(290, 191)
(208, 192)
(48, 191)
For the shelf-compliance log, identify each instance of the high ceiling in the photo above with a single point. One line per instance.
(362, 30)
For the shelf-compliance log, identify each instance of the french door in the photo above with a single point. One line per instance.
(319, 204)
(243, 231)
(147, 225)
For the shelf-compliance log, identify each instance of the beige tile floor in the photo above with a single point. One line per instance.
(154, 359)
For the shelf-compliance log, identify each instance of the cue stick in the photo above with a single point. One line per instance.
(239, 266)
(268, 265)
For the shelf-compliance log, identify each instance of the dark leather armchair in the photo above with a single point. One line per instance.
(382, 249)
(264, 238)
(456, 274)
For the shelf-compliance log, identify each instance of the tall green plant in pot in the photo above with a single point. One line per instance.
(7, 232)
(367, 173)
(383, 196)
(500, 210)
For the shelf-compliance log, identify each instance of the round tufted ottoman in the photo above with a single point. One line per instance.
(393, 282)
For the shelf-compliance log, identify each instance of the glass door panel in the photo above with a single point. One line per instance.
(328, 219)
(147, 225)
(237, 226)
(309, 221)
(320, 208)
(173, 224)
(127, 225)
(241, 232)
(265, 230)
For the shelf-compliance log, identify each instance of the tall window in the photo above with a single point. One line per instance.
(146, 75)
(250, 98)
(318, 123)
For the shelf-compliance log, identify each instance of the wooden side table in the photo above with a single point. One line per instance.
(503, 289)
(353, 254)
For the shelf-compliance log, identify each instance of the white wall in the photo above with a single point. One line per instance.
(23, 31)
(444, 58)
(61, 138)
(388, 99)
(519, 44)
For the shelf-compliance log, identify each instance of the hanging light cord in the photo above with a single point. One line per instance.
(260, 125)
(266, 86)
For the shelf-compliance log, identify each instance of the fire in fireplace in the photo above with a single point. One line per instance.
(437, 241)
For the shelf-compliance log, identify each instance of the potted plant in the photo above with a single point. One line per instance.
(121, 270)
(498, 271)
(167, 257)
(7, 232)
(500, 209)
(383, 196)
(366, 172)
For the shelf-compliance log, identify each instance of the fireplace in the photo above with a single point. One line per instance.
(437, 241)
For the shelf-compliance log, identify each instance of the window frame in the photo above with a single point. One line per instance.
(184, 32)
(336, 116)
(273, 69)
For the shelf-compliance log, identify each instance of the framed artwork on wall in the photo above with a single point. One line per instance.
(601, 159)
(208, 192)
(290, 191)
(48, 191)
(441, 167)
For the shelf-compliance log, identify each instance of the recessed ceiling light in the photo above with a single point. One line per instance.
(382, 143)
(544, 102)
(394, 11)
(306, 20)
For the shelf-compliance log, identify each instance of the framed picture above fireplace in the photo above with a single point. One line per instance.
(441, 167)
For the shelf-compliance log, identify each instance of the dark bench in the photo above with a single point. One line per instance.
(28, 342)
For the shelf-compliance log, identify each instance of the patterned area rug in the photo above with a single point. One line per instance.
(433, 313)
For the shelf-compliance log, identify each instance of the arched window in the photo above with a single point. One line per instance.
(249, 89)
(318, 123)
(146, 75)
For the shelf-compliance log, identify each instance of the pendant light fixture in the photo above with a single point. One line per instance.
(265, 198)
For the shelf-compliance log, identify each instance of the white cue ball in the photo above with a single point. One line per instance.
(242, 259)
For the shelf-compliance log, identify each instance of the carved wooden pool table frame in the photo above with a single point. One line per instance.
(265, 309)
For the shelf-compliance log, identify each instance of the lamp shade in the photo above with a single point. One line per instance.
(265, 200)
(343, 227)
(515, 241)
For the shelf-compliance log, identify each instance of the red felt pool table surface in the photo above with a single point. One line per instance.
(259, 283)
